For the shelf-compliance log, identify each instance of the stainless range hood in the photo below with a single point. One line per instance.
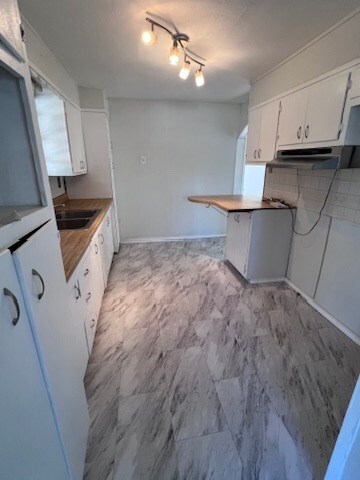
(318, 158)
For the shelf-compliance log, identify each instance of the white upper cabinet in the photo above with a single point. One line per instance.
(325, 109)
(253, 135)
(314, 114)
(268, 131)
(61, 133)
(263, 123)
(355, 87)
(76, 138)
(10, 29)
(292, 117)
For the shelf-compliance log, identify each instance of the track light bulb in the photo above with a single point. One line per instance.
(174, 54)
(199, 78)
(148, 37)
(185, 70)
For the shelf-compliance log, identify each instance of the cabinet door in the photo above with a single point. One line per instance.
(29, 442)
(97, 281)
(355, 87)
(268, 131)
(237, 240)
(50, 110)
(10, 29)
(253, 135)
(106, 245)
(76, 138)
(78, 316)
(325, 109)
(40, 270)
(292, 117)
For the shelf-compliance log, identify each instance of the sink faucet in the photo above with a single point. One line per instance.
(59, 205)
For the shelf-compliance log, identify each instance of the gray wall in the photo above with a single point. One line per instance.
(338, 47)
(190, 149)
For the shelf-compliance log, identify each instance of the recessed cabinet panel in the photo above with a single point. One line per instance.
(325, 108)
(253, 135)
(29, 442)
(10, 33)
(292, 117)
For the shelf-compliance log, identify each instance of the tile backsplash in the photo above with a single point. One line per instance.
(307, 189)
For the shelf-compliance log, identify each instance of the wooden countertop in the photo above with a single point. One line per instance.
(74, 243)
(232, 203)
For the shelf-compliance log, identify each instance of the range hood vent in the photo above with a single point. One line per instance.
(318, 158)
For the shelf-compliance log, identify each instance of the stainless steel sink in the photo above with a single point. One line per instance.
(73, 223)
(65, 214)
(75, 219)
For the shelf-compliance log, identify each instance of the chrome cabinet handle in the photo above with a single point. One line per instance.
(88, 297)
(92, 325)
(307, 131)
(37, 274)
(87, 271)
(8, 293)
(259, 153)
(255, 153)
(96, 249)
(299, 133)
(107, 221)
(102, 238)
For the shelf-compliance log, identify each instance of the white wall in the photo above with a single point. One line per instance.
(337, 47)
(45, 62)
(190, 149)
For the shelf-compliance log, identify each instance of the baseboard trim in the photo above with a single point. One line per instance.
(266, 280)
(168, 239)
(349, 333)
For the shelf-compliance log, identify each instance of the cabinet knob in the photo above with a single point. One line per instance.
(92, 325)
(87, 271)
(37, 274)
(9, 293)
(88, 297)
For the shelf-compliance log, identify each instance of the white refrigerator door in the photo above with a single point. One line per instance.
(30, 446)
(40, 269)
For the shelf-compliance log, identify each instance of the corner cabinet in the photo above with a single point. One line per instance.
(30, 445)
(314, 114)
(258, 243)
(263, 124)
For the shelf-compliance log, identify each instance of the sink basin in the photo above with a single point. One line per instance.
(69, 214)
(73, 223)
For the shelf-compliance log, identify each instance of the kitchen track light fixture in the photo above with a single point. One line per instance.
(149, 38)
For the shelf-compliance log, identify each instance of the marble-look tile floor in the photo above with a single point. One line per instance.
(196, 374)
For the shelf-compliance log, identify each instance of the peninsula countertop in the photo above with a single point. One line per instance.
(233, 203)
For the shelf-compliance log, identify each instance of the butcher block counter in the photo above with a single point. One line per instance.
(74, 243)
(233, 203)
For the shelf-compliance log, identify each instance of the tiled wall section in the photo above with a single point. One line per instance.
(308, 188)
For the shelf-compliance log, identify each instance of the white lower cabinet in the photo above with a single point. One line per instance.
(30, 445)
(258, 243)
(86, 289)
(39, 267)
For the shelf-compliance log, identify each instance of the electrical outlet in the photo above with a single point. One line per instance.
(143, 160)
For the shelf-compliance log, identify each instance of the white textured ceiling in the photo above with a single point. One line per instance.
(98, 41)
